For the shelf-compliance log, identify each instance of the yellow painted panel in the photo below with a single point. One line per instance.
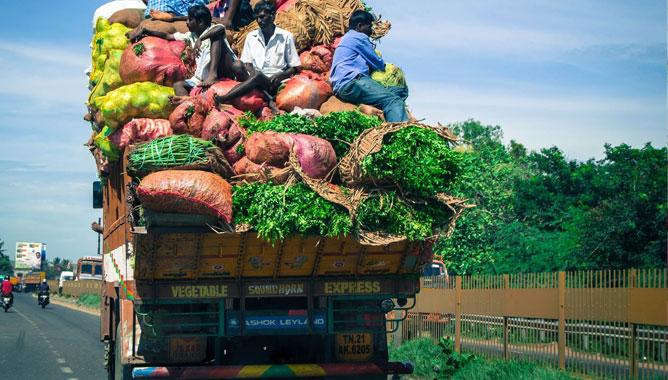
(220, 245)
(380, 264)
(335, 265)
(175, 268)
(176, 245)
(298, 256)
(260, 259)
(217, 267)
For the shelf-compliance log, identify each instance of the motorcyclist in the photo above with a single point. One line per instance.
(7, 289)
(44, 287)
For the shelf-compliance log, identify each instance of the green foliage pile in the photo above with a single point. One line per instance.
(339, 128)
(168, 152)
(538, 211)
(417, 160)
(440, 361)
(278, 211)
(91, 300)
(389, 213)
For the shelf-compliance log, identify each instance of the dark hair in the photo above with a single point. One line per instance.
(360, 17)
(264, 5)
(200, 13)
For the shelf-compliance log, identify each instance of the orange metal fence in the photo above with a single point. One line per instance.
(603, 323)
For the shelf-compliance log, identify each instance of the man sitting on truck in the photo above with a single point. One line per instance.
(203, 36)
(353, 59)
(7, 289)
(269, 56)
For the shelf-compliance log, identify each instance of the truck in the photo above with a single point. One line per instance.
(30, 281)
(89, 268)
(191, 302)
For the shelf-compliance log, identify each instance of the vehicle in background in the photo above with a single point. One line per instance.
(6, 303)
(64, 276)
(89, 268)
(30, 281)
(435, 274)
(43, 299)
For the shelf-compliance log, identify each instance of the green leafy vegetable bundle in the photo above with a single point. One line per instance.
(389, 213)
(277, 211)
(417, 160)
(177, 152)
(339, 128)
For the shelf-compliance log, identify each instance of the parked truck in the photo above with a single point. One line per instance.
(189, 302)
(30, 281)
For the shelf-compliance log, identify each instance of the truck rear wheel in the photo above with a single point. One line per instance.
(121, 372)
(109, 359)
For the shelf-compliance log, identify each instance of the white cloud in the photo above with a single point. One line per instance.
(44, 53)
(578, 124)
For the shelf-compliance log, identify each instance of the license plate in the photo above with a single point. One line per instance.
(354, 347)
(187, 350)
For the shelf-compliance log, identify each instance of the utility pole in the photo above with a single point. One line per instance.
(99, 236)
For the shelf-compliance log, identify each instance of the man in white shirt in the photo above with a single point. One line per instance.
(269, 56)
(208, 40)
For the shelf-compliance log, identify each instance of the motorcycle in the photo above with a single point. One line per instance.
(6, 302)
(43, 299)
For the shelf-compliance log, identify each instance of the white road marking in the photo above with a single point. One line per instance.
(66, 369)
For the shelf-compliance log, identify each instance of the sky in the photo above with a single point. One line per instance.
(571, 74)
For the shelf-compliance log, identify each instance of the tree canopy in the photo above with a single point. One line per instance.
(539, 211)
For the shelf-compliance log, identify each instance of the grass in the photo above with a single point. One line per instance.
(423, 353)
(91, 300)
(425, 356)
(481, 369)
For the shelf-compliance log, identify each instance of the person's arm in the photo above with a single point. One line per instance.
(231, 11)
(363, 47)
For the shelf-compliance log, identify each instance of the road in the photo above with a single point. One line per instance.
(54, 343)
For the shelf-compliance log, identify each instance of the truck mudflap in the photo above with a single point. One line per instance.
(272, 371)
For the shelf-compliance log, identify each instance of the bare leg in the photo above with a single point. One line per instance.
(181, 88)
(257, 81)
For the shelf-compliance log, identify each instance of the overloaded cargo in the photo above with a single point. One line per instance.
(297, 195)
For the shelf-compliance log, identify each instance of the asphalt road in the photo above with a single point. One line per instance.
(54, 343)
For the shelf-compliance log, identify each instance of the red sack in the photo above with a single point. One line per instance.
(253, 101)
(189, 116)
(268, 147)
(235, 152)
(187, 192)
(318, 60)
(266, 114)
(235, 134)
(304, 92)
(138, 130)
(155, 60)
(246, 168)
(285, 5)
(221, 126)
(316, 156)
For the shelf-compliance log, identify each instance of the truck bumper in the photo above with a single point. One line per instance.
(358, 370)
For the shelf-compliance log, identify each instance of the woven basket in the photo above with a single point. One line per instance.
(371, 141)
(215, 163)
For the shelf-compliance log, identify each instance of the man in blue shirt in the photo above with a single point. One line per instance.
(354, 58)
